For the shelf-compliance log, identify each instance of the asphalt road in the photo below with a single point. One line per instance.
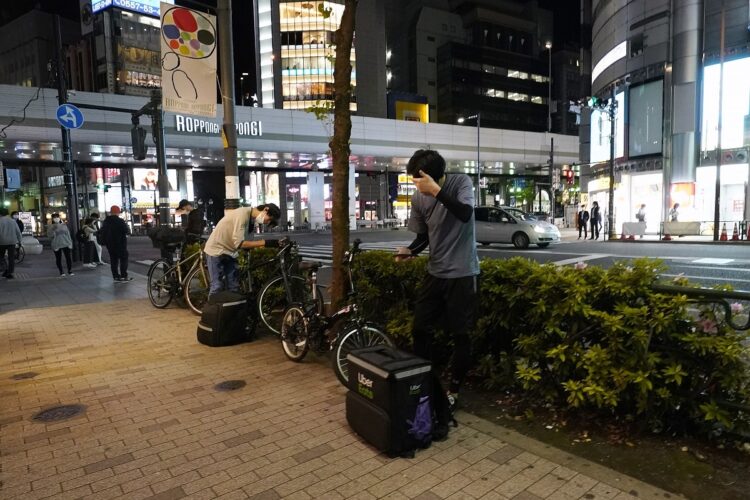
(705, 263)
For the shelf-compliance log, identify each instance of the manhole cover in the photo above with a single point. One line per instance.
(58, 413)
(24, 376)
(230, 385)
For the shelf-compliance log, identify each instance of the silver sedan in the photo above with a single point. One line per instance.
(510, 225)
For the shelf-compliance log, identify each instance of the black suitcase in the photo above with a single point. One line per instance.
(389, 403)
(224, 320)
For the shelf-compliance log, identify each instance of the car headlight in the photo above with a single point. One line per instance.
(539, 229)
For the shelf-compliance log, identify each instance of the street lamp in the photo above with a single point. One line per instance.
(478, 118)
(548, 46)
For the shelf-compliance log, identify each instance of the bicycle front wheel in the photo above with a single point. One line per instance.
(272, 301)
(196, 287)
(354, 336)
(162, 278)
(294, 333)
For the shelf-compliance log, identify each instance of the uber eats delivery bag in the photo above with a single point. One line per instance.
(224, 320)
(389, 399)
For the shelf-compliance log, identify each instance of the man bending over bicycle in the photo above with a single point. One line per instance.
(228, 238)
(442, 215)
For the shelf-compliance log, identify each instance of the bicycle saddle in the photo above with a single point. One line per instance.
(310, 265)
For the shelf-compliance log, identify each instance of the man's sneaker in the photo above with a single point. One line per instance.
(125, 279)
(452, 403)
(90, 265)
(9, 276)
(70, 273)
(116, 279)
(62, 275)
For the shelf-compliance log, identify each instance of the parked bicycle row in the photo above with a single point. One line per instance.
(234, 287)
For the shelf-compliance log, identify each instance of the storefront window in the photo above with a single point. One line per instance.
(735, 126)
(732, 201)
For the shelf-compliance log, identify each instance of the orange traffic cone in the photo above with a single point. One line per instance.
(723, 236)
(748, 233)
(631, 237)
(735, 233)
(667, 237)
(623, 237)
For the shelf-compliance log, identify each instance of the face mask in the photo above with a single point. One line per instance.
(261, 218)
(56, 220)
(15, 217)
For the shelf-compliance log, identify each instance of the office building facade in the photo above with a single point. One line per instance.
(663, 63)
(295, 54)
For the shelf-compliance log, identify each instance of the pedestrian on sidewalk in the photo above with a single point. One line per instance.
(442, 216)
(17, 217)
(97, 226)
(89, 248)
(596, 221)
(229, 237)
(114, 234)
(61, 244)
(10, 236)
(582, 221)
(673, 213)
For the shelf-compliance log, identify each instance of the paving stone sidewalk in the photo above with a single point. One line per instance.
(155, 427)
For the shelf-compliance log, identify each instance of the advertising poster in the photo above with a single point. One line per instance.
(146, 186)
(188, 61)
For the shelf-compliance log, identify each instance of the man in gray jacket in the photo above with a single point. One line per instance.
(10, 236)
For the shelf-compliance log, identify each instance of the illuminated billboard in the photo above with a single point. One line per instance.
(735, 126)
(148, 7)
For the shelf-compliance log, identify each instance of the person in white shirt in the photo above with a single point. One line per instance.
(229, 237)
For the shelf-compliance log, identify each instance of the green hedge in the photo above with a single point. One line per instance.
(586, 337)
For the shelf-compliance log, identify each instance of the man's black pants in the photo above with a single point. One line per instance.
(11, 265)
(449, 304)
(118, 261)
(583, 228)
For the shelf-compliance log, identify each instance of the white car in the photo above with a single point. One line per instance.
(511, 225)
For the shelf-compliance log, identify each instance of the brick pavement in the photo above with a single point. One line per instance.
(155, 428)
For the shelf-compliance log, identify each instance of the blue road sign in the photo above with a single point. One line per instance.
(69, 116)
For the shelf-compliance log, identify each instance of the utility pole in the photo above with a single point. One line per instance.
(157, 124)
(612, 111)
(68, 168)
(229, 132)
(551, 180)
(717, 199)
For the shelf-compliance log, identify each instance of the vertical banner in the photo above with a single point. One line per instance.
(188, 61)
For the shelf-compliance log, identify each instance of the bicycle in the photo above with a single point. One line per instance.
(20, 254)
(305, 327)
(286, 287)
(167, 280)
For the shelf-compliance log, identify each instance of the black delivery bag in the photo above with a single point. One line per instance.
(224, 320)
(389, 401)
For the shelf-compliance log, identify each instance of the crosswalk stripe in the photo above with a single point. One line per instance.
(575, 260)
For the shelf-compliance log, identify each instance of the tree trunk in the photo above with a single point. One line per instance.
(340, 151)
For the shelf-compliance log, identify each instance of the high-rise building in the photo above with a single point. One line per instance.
(28, 46)
(470, 56)
(683, 109)
(295, 54)
(126, 47)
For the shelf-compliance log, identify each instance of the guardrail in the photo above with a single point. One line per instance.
(710, 296)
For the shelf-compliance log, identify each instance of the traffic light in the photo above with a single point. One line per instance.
(106, 187)
(594, 101)
(571, 176)
(138, 138)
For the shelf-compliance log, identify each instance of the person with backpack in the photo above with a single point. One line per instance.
(88, 238)
(114, 234)
(61, 244)
(442, 216)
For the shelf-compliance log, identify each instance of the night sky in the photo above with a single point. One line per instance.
(566, 16)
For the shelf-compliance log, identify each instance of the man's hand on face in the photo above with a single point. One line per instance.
(426, 184)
